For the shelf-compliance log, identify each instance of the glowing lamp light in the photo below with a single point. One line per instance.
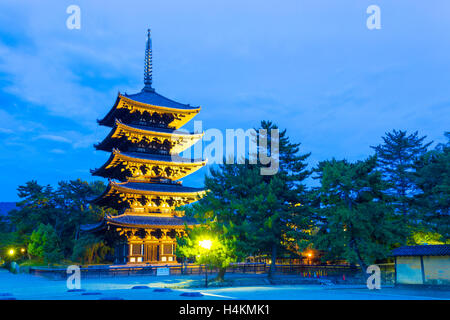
(22, 250)
(205, 244)
(309, 255)
(11, 252)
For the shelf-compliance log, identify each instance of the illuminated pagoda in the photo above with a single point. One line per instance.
(143, 170)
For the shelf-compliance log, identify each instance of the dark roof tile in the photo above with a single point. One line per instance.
(159, 157)
(141, 220)
(159, 187)
(154, 98)
(423, 250)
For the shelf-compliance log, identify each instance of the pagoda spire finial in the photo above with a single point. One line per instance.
(148, 77)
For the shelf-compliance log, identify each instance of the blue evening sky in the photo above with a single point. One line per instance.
(311, 66)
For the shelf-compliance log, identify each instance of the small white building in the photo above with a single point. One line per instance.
(422, 265)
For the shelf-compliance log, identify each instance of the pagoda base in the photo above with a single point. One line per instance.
(146, 246)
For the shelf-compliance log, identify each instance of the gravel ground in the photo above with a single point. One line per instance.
(25, 286)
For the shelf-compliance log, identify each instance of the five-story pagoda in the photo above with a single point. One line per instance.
(142, 169)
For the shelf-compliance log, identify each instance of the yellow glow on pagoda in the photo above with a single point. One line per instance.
(144, 169)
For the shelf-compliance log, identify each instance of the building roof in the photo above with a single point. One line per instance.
(153, 129)
(151, 97)
(157, 187)
(140, 221)
(116, 194)
(116, 165)
(150, 221)
(178, 140)
(423, 250)
(147, 102)
(160, 157)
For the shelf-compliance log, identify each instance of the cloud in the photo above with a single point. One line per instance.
(57, 151)
(53, 138)
(9, 123)
(4, 130)
(44, 79)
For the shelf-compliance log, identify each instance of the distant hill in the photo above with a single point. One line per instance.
(6, 207)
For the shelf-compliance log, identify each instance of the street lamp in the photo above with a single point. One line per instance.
(205, 244)
(11, 252)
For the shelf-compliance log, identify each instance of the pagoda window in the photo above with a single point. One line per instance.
(168, 248)
(137, 249)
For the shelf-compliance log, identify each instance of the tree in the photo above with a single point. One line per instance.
(35, 207)
(222, 216)
(432, 178)
(279, 216)
(45, 244)
(221, 254)
(64, 209)
(259, 214)
(356, 221)
(396, 158)
(72, 199)
(90, 248)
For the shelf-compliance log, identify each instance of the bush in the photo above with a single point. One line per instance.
(90, 249)
(45, 244)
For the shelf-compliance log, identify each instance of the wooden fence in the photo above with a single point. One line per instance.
(335, 272)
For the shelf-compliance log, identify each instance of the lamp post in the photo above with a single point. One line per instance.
(309, 257)
(206, 245)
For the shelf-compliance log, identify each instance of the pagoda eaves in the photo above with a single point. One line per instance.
(129, 137)
(127, 165)
(148, 197)
(160, 110)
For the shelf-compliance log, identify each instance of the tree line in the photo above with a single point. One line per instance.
(358, 212)
(355, 211)
(45, 227)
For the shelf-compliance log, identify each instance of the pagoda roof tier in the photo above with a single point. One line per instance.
(124, 136)
(138, 165)
(141, 221)
(151, 106)
(147, 197)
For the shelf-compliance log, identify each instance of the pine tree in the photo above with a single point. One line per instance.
(262, 214)
(356, 221)
(223, 216)
(432, 178)
(396, 158)
(282, 214)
